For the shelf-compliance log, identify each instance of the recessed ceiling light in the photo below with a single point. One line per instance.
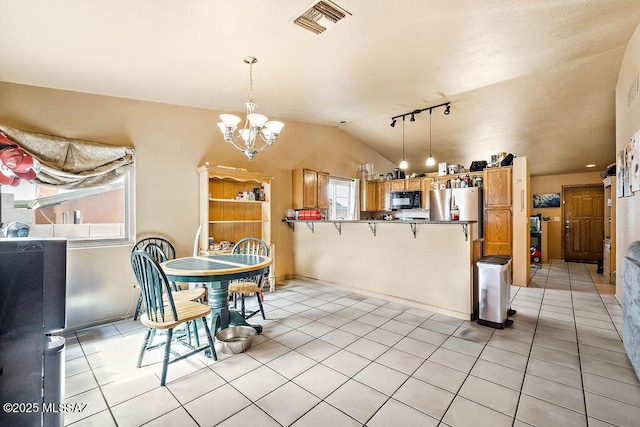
(591, 165)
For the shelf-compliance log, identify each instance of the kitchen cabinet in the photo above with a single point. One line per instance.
(497, 231)
(384, 191)
(368, 196)
(397, 185)
(609, 242)
(507, 201)
(497, 187)
(309, 189)
(223, 216)
(323, 187)
(426, 184)
(412, 184)
(497, 211)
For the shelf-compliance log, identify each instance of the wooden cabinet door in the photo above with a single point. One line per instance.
(371, 197)
(397, 185)
(426, 184)
(310, 189)
(323, 185)
(497, 188)
(497, 232)
(412, 184)
(384, 188)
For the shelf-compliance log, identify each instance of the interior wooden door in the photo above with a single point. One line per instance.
(583, 223)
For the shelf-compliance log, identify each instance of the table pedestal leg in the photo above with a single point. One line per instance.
(221, 316)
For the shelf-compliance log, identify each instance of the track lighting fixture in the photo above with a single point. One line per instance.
(447, 110)
(413, 113)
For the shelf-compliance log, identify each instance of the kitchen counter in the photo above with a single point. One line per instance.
(428, 264)
(373, 223)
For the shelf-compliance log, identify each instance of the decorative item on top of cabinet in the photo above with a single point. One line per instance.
(309, 189)
(224, 215)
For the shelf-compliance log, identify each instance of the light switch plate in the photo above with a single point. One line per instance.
(556, 218)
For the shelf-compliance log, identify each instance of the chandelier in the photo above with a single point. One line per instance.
(258, 133)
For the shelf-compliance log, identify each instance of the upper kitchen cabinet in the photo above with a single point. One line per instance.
(234, 204)
(309, 189)
(384, 190)
(497, 187)
(369, 196)
(426, 184)
(411, 184)
(397, 185)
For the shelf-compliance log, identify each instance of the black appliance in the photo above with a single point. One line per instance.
(406, 199)
(32, 313)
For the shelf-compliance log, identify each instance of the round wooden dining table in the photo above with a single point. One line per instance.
(216, 271)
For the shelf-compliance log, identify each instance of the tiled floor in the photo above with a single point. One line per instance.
(328, 357)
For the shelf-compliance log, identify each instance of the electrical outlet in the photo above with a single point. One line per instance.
(556, 218)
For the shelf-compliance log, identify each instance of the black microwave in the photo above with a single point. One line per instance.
(406, 199)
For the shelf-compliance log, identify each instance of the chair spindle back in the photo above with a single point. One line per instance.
(153, 283)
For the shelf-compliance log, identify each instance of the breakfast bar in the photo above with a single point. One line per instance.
(424, 263)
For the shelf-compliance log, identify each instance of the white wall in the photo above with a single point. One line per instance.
(627, 123)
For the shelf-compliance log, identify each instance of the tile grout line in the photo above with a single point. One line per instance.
(535, 329)
(584, 396)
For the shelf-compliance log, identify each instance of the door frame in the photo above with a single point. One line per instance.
(563, 206)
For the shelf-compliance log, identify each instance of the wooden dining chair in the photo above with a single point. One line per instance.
(163, 250)
(252, 285)
(197, 295)
(162, 312)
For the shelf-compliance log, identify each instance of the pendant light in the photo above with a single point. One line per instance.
(431, 161)
(403, 164)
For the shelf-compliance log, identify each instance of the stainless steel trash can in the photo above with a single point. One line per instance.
(494, 291)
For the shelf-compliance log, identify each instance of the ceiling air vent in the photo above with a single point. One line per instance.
(320, 16)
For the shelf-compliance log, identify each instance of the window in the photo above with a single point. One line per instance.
(342, 198)
(100, 215)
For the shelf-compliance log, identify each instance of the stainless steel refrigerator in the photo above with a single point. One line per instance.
(468, 200)
(32, 314)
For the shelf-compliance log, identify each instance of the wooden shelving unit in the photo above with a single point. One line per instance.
(222, 216)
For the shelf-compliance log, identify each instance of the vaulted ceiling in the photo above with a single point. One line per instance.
(533, 78)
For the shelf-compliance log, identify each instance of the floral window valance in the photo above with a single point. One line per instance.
(72, 163)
